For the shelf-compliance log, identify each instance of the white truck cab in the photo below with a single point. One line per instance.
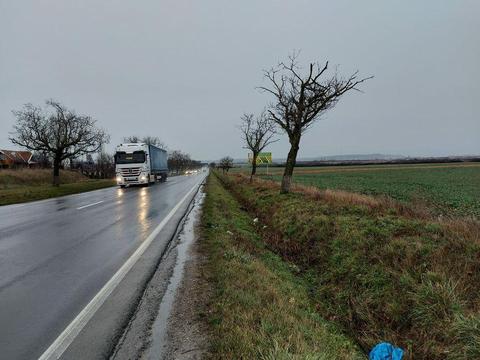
(140, 164)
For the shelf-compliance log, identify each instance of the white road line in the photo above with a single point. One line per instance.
(62, 342)
(85, 206)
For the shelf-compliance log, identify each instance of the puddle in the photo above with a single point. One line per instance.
(158, 344)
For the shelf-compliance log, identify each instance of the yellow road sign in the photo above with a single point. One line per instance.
(262, 158)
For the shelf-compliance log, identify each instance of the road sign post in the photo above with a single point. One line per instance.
(262, 158)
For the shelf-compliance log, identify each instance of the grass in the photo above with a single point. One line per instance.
(259, 309)
(379, 269)
(23, 185)
(447, 189)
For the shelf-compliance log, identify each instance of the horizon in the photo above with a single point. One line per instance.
(365, 157)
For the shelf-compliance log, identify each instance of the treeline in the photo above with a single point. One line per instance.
(95, 166)
(60, 138)
(179, 162)
(103, 166)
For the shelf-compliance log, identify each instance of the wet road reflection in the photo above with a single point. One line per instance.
(143, 208)
(56, 254)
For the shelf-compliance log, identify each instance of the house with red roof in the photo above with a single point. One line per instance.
(14, 158)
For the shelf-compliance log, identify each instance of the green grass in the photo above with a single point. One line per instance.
(448, 189)
(378, 270)
(259, 308)
(17, 186)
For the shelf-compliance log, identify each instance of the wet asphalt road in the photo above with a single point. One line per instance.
(56, 254)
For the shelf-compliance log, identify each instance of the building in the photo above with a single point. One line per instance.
(15, 159)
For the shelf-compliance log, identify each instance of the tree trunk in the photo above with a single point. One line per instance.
(254, 166)
(290, 164)
(56, 171)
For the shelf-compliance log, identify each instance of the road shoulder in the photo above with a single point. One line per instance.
(167, 323)
(187, 335)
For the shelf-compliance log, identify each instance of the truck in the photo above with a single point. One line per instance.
(140, 164)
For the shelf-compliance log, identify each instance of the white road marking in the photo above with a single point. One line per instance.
(85, 206)
(64, 340)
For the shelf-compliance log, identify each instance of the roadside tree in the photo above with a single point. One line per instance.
(131, 139)
(301, 99)
(257, 133)
(178, 161)
(226, 163)
(149, 140)
(154, 140)
(58, 132)
(105, 165)
(41, 159)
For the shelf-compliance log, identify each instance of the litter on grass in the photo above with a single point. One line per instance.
(385, 351)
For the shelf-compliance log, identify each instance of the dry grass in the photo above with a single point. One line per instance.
(341, 198)
(35, 184)
(446, 189)
(258, 310)
(383, 270)
(10, 178)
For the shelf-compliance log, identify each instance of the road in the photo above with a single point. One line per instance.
(57, 254)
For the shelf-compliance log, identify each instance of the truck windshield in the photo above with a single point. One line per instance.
(129, 158)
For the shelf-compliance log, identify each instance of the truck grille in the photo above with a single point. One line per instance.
(130, 172)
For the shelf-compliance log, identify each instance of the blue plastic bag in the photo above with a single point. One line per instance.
(385, 351)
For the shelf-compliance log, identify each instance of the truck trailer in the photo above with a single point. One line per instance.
(140, 164)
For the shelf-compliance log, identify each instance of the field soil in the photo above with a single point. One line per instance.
(11, 178)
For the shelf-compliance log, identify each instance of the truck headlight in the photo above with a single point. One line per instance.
(119, 179)
(143, 177)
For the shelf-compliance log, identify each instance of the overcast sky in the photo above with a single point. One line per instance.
(186, 70)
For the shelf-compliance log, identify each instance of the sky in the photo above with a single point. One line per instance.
(186, 71)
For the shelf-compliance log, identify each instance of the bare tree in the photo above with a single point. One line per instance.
(257, 133)
(89, 159)
(300, 100)
(58, 132)
(178, 161)
(132, 139)
(41, 159)
(226, 163)
(149, 140)
(105, 165)
(154, 140)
